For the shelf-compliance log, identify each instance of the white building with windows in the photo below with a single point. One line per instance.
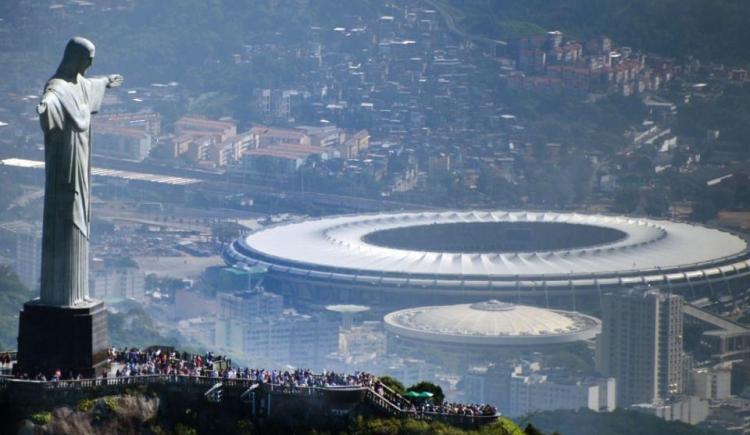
(539, 392)
(641, 345)
(523, 389)
(114, 281)
(29, 257)
(711, 383)
(123, 142)
(687, 409)
(257, 324)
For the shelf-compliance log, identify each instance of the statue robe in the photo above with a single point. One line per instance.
(65, 116)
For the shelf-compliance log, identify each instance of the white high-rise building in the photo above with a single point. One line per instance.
(247, 305)
(711, 383)
(115, 281)
(539, 392)
(257, 324)
(524, 389)
(29, 257)
(687, 409)
(641, 345)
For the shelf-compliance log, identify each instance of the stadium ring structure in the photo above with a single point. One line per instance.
(564, 260)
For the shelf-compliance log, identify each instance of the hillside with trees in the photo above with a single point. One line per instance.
(619, 422)
(714, 30)
(12, 296)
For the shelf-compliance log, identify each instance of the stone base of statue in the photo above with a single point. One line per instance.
(69, 339)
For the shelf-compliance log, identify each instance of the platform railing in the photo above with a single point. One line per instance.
(125, 381)
(385, 402)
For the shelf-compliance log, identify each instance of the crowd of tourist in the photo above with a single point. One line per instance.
(136, 362)
(459, 409)
(305, 378)
(428, 407)
(154, 361)
(133, 362)
(5, 360)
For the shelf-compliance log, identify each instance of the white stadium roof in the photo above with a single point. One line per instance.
(338, 244)
(492, 323)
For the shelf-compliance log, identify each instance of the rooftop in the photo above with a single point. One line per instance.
(492, 323)
(507, 245)
(344, 308)
(115, 173)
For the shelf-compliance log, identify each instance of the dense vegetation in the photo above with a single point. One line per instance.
(135, 328)
(707, 29)
(589, 125)
(585, 422)
(729, 113)
(159, 42)
(132, 327)
(12, 296)
(186, 41)
(393, 426)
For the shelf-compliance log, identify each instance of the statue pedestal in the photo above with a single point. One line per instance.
(69, 339)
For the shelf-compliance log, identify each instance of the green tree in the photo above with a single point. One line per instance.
(211, 105)
(703, 211)
(657, 202)
(619, 422)
(226, 231)
(531, 430)
(626, 199)
(437, 392)
(13, 294)
(396, 426)
(708, 29)
(393, 383)
(135, 328)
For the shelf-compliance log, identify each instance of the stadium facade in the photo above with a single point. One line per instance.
(563, 260)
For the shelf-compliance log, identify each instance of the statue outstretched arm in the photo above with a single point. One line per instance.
(96, 87)
(115, 80)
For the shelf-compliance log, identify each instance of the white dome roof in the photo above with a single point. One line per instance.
(492, 322)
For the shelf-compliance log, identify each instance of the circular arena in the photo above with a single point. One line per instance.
(464, 334)
(491, 323)
(553, 259)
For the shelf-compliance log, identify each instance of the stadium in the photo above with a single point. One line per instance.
(458, 335)
(552, 259)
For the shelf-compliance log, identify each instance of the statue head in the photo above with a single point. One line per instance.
(79, 53)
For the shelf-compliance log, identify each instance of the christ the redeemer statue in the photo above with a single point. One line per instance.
(64, 330)
(65, 113)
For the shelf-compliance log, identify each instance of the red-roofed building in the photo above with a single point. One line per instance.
(123, 142)
(282, 158)
(205, 127)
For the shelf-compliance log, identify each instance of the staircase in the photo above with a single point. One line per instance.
(390, 402)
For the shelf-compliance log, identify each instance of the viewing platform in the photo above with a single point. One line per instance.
(262, 399)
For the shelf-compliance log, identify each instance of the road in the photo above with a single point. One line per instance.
(224, 183)
(450, 22)
(182, 267)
